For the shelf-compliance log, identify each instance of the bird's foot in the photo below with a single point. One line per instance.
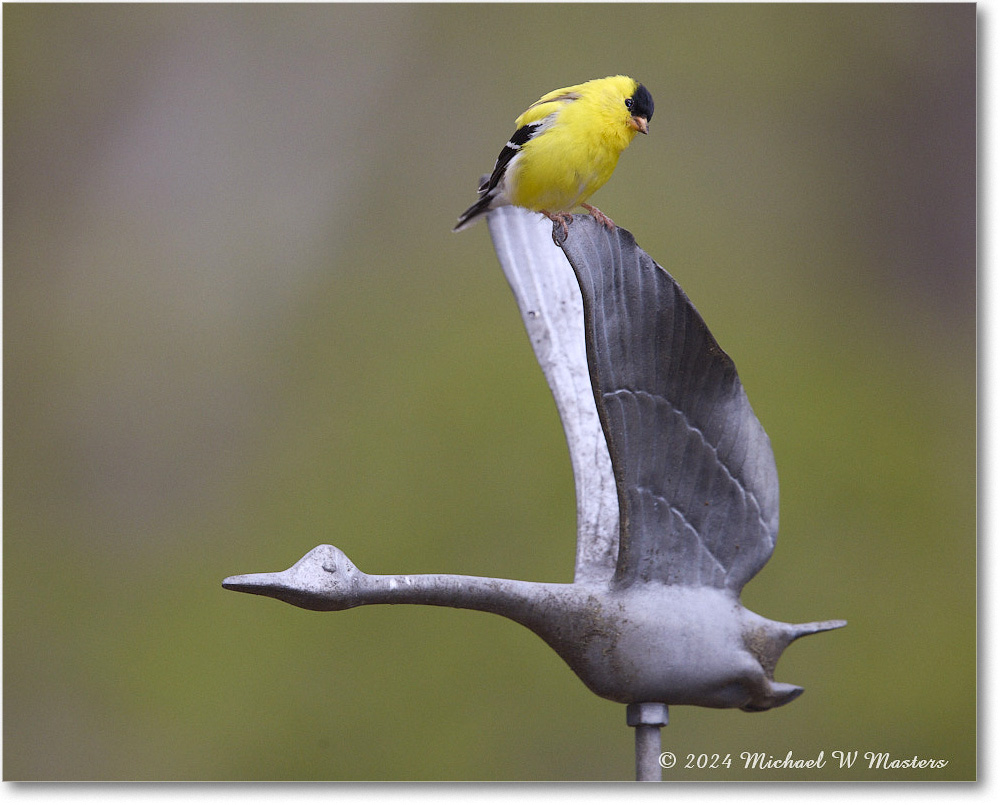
(600, 217)
(560, 225)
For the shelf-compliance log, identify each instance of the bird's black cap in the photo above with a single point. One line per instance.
(642, 103)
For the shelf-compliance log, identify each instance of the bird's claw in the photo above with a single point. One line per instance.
(600, 217)
(560, 226)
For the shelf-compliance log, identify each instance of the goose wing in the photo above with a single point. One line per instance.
(548, 295)
(696, 480)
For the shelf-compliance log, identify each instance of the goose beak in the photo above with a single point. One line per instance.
(256, 583)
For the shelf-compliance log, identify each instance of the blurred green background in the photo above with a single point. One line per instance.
(236, 326)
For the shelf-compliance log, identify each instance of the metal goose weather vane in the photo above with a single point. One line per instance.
(677, 493)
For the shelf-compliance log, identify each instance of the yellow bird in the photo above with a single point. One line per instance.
(565, 147)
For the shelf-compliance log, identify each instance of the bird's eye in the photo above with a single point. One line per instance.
(628, 103)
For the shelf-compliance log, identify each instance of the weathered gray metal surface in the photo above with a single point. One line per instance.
(647, 718)
(694, 477)
(548, 296)
(697, 483)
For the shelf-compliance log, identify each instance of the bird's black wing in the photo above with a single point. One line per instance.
(696, 478)
(488, 187)
(509, 151)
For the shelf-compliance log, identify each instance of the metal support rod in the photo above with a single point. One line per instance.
(617, 339)
(647, 718)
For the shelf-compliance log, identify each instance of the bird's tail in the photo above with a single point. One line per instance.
(487, 201)
(474, 213)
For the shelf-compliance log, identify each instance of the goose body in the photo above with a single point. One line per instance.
(676, 484)
(644, 643)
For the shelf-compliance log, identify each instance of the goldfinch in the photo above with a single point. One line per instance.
(566, 145)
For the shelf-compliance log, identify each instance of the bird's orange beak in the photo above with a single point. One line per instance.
(640, 124)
